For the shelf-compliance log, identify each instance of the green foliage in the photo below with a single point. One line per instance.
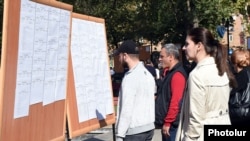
(156, 20)
(241, 7)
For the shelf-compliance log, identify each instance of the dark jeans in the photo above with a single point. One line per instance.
(145, 136)
(172, 132)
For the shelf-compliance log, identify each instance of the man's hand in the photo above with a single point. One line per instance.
(165, 130)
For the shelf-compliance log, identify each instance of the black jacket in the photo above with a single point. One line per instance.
(164, 94)
(239, 114)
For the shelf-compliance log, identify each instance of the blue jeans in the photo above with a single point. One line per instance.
(145, 136)
(172, 132)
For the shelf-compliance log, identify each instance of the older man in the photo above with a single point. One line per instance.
(170, 92)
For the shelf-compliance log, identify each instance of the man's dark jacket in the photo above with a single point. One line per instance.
(164, 94)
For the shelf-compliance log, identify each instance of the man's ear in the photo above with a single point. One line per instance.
(125, 56)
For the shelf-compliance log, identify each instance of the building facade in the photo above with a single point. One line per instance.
(236, 33)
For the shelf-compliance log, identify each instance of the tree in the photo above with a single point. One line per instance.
(155, 20)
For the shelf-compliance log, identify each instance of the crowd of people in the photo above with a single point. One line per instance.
(214, 90)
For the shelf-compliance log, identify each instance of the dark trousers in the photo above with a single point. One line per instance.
(145, 136)
(172, 132)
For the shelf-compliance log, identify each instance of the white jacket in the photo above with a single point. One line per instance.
(136, 105)
(206, 101)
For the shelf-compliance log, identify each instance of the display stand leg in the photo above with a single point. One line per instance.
(113, 129)
(67, 131)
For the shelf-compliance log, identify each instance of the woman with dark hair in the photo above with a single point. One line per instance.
(208, 86)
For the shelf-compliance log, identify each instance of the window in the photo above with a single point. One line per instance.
(230, 38)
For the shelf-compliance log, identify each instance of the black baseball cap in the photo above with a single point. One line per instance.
(128, 47)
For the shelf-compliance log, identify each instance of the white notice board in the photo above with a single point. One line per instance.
(91, 70)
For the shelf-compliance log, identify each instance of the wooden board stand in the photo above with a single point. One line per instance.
(77, 128)
(43, 122)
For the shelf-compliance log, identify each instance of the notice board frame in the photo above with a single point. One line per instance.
(43, 122)
(76, 128)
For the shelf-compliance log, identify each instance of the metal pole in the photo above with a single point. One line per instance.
(227, 24)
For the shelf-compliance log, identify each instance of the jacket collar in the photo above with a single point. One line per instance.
(206, 61)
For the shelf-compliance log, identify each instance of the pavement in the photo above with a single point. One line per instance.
(106, 134)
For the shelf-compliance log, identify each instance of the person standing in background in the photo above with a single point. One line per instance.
(136, 105)
(240, 62)
(169, 92)
(150, 67)
(208, 87)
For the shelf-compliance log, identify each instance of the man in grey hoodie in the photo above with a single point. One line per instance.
(136, 106)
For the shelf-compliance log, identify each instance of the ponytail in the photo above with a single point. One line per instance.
(220, 57)
(223, 64)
